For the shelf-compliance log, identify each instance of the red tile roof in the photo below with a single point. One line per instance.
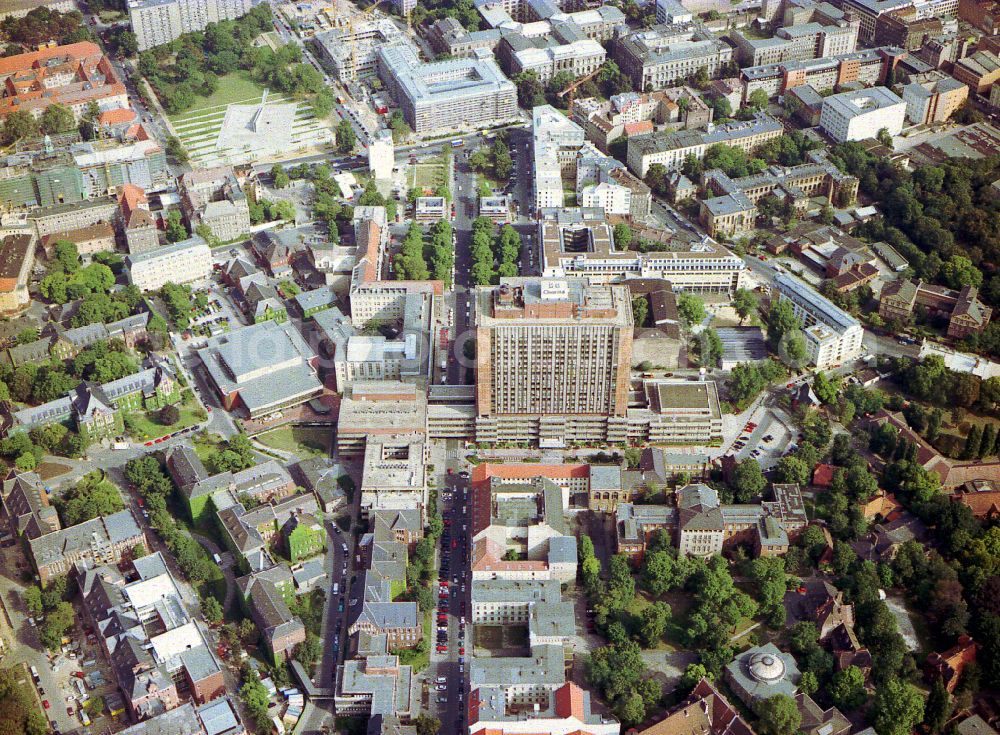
(823, 475)
(116, 116)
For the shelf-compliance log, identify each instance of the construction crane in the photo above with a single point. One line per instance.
(349, 24)
(571, 89)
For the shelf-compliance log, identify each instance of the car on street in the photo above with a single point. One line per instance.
(45, 704)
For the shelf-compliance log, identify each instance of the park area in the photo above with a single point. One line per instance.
(428, 175)
(145, 425)
(199, 127)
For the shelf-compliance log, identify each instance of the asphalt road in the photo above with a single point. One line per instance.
(452, 664)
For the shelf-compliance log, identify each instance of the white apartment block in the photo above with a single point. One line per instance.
(556, 143)
(832, 335)
(156, 22)
(861, 115)
(614, 199)
(183, 262)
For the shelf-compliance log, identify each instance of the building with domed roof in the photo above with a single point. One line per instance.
(762, 672)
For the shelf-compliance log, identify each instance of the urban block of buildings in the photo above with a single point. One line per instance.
(700, 525)
(214, 198)
(965, 313)
(160, 654)
(671, 149)
(604, 121)
(447, 95)
(583, 246)
(666, 55)
(74, 75)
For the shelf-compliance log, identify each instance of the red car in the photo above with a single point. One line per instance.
(69, 711)
(149, 444)
(454, 544)
(442, 649)
(461, 651)
(45, 703)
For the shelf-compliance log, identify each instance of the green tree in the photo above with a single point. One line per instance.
(745, 303)
(778, 715)
(18, 125)
(427, 724)
(847, 688)
(212, 610)
(691, 308)
(57, 119)
(757, 100)
(939, 707)
(90, 497)
(748, 480)
(175, 229)
(59, 620)
(653, 623)
(33, 601)
(792, 469)
(622, 236)
(781, 320)
(640, 310)
(346, 138)
(897, 708)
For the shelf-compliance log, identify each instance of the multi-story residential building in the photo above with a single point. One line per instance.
(17, 256)
(556, 146)
(155, 22)
(74, 75)
(934, 98)
(966, 314)
(159, 655)
(448, 36)
(447, 95)
(868, 67)
(734, 208)
(39, 180)
(983, 14)
(375, 685)
(503, 602)
(27, 506)
(218, 717)
(832, 335)
(213, 197)
(180, 262)
(582, 245)
(102, 540)
(351, 52)
(20, 8)
(706, 710)
(677, 412)
(606, 121)
(671, 149)
(562, 347)
(665, 55)
(98, 411)
(980, 71)
(261, 368)
(671, 11)
(862, 114)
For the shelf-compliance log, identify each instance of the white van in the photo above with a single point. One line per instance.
(336, 587)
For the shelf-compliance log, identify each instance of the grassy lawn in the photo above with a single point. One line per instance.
(205, 445)
(301, 441)
(489, 637)
(428, 174)
(396, 588)
(233, 88)
(145, 425)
